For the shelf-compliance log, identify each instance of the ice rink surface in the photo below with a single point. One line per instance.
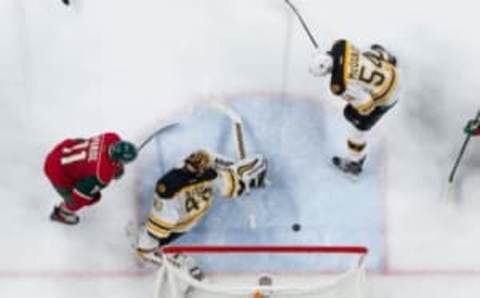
(126, 65)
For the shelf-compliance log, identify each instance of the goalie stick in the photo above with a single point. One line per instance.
(223, 107)
(302, 22)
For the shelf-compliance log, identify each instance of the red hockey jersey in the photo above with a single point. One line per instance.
(75, 159)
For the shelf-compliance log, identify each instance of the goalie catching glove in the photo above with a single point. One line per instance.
(246, 174)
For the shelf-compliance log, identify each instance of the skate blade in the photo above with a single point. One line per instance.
(449, 194)
(351, 177)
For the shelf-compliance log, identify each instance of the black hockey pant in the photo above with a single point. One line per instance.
(365, 123)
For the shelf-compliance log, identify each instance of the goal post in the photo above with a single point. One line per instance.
(261, 279)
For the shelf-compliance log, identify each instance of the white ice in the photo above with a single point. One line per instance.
(125, 65)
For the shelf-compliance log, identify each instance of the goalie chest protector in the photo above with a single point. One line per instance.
(178, 179)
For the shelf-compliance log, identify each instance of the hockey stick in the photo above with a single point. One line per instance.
(449, 192)
(223, 107)
(302, 21)
(163, 128)
(460, 155)
(173, 120)
(459, 158)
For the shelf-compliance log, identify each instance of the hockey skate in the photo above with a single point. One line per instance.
(63, 216)
(350, 167)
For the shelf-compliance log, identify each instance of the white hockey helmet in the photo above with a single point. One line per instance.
(322, 64)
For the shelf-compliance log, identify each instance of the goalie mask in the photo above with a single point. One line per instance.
(198, 162)
(322, 64)
(123, 151)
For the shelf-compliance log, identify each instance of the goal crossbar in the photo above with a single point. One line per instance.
(360, 250)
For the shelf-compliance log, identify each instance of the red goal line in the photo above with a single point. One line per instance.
(265, 249)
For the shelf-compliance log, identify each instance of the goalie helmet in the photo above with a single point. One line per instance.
(198, 162)
(123, 151)
(322, 64)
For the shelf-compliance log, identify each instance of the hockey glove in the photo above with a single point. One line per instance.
(472, 127)
(321, 64)
(252, 172)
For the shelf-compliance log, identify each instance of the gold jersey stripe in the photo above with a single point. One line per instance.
(157, 231)
(247, 167)
(346, 62)
(230, 184)
(180, 226)
(366, 108)
(160, 222)
(390, 87)
(189, 221)
(356, 147)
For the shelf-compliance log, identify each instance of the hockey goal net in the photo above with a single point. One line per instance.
(265, 272)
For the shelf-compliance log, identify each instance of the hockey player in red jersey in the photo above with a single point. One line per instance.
(472, 128)
(367, 81)
(80, 168)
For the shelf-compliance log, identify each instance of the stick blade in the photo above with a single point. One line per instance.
(448, 195)
(222, 106)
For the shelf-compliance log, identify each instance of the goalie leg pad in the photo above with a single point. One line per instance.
(147, 248)
(150, 255)
(187, 264)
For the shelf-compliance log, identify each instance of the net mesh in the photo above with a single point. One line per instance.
(267, 278)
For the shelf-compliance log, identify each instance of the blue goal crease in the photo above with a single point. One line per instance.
(299, 138)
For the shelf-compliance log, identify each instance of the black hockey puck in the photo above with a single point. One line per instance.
(296, 227)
